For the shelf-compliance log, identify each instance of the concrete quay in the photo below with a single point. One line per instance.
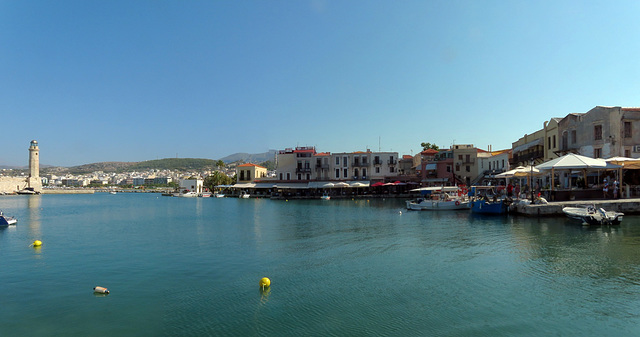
(66, 191)
(626, 206)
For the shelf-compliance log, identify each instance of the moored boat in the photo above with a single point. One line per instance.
(486, 200)
(592, 216)
(7, 220)
(440, 198)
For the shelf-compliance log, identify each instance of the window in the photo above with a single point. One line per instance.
(468, 168)
(597, 133)
(364, 173)
(280, 176)
(627, 130)
(549, 142)
(308, 177)
(502, 163)
(345, 162)
(459, 157)
(337, 160)
(346, 173)
(355, 173)
(574, 137)
(241, 174)
(364, 160)
(554, 141)
(288, 176)
(337, 173)
(391, 169)
(597, 153)
(627, 153)
(377, 169)
(376, 160)
(248, 175)
(448, 168)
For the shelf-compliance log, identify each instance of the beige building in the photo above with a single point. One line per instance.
(529, 148)
(248, 173)
(465, 162)
(602, 132)
(305, 164)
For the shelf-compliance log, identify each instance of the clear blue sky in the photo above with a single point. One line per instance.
(139, 80)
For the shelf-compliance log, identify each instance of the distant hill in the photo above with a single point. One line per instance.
(250, 158)
(180, 164)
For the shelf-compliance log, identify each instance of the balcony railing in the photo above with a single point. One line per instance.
(303, 170)
(392, 162)
(377, 162)
(322, 166)
(361, 164)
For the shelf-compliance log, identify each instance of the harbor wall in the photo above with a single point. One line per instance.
(12, 184)
(626, 206)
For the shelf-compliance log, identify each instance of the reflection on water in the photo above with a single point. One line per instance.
(179, 266)
(34, 205)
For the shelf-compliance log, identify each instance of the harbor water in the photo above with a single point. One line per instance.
(192, 266)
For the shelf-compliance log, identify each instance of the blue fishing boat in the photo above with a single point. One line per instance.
(484, 206)
(487, 200)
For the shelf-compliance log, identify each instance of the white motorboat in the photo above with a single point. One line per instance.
(592, 216)
(441, 198)
(189, 195)
(7, 220)
(325, 197)
(219, 195)
(244, 195)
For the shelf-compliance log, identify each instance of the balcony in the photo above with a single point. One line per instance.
(392, 162)
(360, 164)
(303, 170)
(526, 157)
(377, 162)
(322, 166)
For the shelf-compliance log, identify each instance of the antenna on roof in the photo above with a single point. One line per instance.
(379, 144)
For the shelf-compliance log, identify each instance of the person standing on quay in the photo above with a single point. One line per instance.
(605, 189)
(615, 189)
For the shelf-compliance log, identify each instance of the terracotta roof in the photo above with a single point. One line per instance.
(630, 109)
(406, 156)
(323, 154)
(251, 165)
(429, 151)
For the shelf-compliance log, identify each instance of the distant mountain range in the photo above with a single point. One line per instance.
(168, 163)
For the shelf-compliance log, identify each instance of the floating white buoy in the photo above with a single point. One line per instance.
(400, 212)
(100, 290)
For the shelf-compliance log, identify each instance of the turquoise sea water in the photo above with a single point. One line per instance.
(191, 267)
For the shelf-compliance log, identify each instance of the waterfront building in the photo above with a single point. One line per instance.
(602, 132)
(465, 162)
(551, 139)
(191, 185)
(530, 149)
(248, 173)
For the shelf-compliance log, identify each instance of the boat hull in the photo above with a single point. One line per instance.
(484, 207)
(7, 220)
(437, 205)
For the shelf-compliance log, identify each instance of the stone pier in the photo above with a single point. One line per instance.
(626, 206)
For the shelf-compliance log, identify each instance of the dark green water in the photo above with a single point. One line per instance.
(190, 267)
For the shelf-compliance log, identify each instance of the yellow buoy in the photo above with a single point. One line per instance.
(265, 283)
(37, 243)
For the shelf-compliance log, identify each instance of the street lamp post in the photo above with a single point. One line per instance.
(531, 179)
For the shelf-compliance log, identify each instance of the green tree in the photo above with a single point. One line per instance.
(220, 164)
(215, 179)
(426, 146)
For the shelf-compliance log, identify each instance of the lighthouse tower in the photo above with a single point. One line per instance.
(34, 167)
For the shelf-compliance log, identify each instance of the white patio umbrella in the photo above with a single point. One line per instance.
(574, 161)
(520, 171)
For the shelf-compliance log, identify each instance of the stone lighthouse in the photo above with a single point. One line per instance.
(34, 167)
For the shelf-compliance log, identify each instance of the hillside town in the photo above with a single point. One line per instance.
(602, 132)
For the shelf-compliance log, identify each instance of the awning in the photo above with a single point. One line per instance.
(435, 180)
(264, 185)
(430, 167)
(359, 184)
(245, 185)
(292, 185)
